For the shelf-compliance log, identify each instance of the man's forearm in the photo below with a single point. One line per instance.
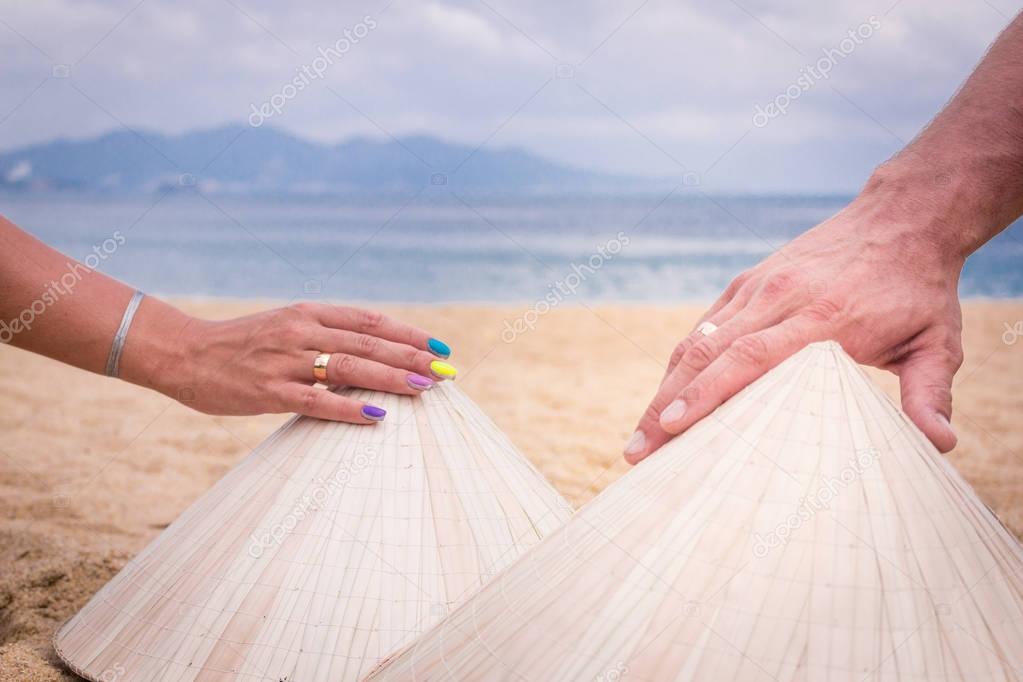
(963, 174)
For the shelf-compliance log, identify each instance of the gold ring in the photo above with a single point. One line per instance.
(320, 367)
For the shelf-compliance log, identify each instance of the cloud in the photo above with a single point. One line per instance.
(464, 29)
(649, 82)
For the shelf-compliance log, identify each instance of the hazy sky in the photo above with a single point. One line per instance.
(655, 87)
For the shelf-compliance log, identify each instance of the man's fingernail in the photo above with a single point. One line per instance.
(636, 443)
(673, 412)
(418, 382)
(943, 420)
(374, 413)
(439, 348)
(442, 370)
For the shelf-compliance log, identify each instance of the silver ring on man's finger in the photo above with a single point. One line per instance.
(706, 328)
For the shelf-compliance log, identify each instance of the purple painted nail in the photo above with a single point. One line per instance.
(373, 412)
(418, 382)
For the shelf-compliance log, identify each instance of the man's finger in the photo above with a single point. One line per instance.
(730, 303)
(925, 379)
(716, 317)
(701, 350)
(697, 334)
(743, 362)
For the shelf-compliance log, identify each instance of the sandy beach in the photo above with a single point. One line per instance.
(92, 469)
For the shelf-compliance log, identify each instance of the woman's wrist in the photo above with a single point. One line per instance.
(156, 351)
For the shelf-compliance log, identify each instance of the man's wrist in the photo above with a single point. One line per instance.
(934, 199)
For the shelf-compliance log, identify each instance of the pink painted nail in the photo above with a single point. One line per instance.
(418, 382)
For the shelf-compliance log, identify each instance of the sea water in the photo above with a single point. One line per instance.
(436, 246)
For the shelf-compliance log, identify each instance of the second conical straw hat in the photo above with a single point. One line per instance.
(323, 550)
(806, 531)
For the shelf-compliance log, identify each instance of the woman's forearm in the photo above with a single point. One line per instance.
(59, 307)
(267, 362)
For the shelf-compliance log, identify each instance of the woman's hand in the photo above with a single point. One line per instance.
(881, 284)
(264, 362)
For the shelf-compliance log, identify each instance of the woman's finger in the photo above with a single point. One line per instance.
(392, 353)
(702, 348)
(350, 370)
(743, 362)
(313, 401)
(377, 324)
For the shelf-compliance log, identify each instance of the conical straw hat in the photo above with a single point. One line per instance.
(322, 551)
(804, 531)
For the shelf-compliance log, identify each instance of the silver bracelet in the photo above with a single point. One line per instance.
(114, 359)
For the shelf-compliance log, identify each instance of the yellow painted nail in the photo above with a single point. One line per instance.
(442, 370)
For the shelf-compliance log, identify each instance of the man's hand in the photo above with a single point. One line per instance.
(880, 277)
(886, 291)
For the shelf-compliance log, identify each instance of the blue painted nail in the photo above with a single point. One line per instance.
(439, 348)
(373, 412)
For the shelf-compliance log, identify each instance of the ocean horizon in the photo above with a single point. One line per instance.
(437, 246)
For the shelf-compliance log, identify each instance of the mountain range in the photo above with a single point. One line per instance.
(240, 159)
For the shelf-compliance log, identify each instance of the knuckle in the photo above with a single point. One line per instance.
(368, 345)
(701, 354)
(309, 398)
(738, 282)
(292, 331)
(680, 351)
(652, 413)
(955, 357)
(750, 350)
(822, 310)
(954, 349)
(940, 392)
(370, 319)
(292, 322)
(777, 284)
(344, 364)
(303, 309)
